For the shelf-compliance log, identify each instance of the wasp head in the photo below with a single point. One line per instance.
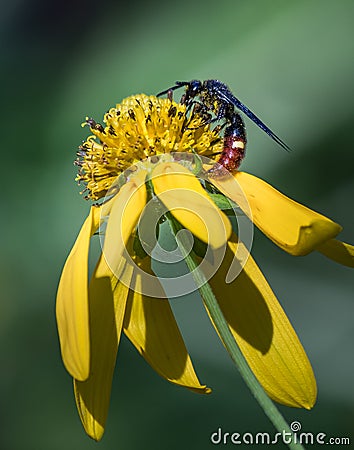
(194, 88)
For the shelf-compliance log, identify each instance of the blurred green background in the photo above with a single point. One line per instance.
(290, 62)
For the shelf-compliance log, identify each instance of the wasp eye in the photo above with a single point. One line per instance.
(195, 86)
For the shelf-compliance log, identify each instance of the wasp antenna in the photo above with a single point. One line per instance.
(173, 88)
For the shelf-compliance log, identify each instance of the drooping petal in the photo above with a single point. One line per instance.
(124, 214)
(182, 194)
(72, 302)
(293, 227)
(151, 327)
(338, 251)
(264, 334)
(107, 297)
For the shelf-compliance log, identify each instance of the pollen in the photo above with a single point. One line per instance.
(140, 127)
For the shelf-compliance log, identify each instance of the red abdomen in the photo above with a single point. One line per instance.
(233, 153)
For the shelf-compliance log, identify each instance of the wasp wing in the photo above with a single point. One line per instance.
(230, 98)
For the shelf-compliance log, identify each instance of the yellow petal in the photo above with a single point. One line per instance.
(293, 227)
(124, 214)
(264, 334)
(107, 307)
(151, 327)
(182, 194)
(72, 302)
(338, 251)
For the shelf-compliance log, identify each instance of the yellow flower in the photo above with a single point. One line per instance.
(91, 315)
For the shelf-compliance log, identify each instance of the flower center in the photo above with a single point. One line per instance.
(140, 127)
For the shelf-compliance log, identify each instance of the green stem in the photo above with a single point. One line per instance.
(229, 342)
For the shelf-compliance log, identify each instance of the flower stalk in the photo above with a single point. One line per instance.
(227, 338)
